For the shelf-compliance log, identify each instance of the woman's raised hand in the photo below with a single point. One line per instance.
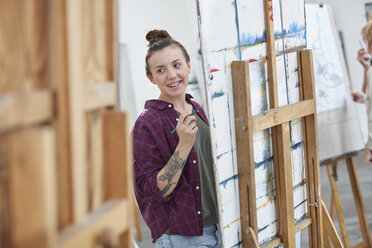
(186, 130)
(364, 58)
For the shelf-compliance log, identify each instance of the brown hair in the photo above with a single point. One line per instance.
(159, 39)
(367, 32)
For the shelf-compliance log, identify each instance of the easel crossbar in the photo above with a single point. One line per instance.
(275, 117)
(298, 227)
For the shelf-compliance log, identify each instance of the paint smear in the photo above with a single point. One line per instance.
(217, 94)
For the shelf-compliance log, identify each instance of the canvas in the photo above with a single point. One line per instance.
(235, 30)
(338, 127)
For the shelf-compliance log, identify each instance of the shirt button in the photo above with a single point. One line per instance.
(199, 212)
(170, 105)
(197, 187)
(194, 161)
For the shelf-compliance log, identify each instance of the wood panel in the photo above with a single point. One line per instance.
(25, 109)
(99, 95)
(96, 37)
(23, 47)
(58, 78)
(117, 155)
(95, 160)
(32, 180)
(118, 164)
(90, 46)
(111, 215)
(5, 240)
(77, 116)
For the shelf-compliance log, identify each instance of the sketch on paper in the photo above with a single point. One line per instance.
(339, 130)
(235, 30)
(328, 72)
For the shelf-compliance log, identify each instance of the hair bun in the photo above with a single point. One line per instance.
(155, 35)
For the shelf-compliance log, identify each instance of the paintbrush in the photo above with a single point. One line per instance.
(192, 113)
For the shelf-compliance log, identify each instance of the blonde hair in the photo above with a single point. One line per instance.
(367, 32)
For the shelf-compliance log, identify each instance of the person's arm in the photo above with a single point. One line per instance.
(365, 82)
(365, 60)
(168, 177)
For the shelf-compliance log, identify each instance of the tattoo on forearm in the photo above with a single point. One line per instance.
(171, 168)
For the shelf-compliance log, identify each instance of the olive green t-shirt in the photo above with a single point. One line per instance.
(203, 151)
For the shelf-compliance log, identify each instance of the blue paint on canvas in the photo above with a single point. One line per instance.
(217, 94)
(224, 182)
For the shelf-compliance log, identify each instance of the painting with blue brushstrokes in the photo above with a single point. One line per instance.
(235, 30)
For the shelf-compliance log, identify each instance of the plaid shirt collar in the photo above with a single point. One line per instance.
(161, 105)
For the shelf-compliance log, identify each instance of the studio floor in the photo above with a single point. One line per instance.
(365, 180)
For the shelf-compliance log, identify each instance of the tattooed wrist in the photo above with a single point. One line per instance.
(174, 165)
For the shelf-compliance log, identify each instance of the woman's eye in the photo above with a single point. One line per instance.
(176, 65)
(160, 70)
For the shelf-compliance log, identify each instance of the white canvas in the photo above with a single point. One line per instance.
(338, 128)
(234, 30)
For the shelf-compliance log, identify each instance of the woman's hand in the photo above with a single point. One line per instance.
(186, 130)
(364, 58)
(358, 96)
(168, 177)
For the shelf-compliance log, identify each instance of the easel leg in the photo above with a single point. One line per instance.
(251, 238)
(328, 242)
(333, 207)
(329, 229)
(337, 202)
(358, 201)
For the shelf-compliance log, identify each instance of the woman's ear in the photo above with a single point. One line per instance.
(150, 78)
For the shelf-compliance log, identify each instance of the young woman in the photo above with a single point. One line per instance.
(173, 167)
(364, 96)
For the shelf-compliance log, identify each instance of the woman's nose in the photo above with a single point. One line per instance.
(171, 73)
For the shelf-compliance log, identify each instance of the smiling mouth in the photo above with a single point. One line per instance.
(175, 84)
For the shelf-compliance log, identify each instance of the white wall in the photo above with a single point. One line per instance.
(179, 18)
(350, 18)
(138, 17)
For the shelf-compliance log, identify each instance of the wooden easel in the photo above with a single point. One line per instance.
(277, 118)
(336, 205)
(65, 154)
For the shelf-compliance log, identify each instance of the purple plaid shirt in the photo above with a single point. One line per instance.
(153, 145)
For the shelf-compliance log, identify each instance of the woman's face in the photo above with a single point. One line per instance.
(170, 72)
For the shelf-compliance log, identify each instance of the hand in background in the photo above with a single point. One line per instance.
(358, 96)
(364, 58)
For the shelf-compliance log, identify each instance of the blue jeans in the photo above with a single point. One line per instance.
(211, 238)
